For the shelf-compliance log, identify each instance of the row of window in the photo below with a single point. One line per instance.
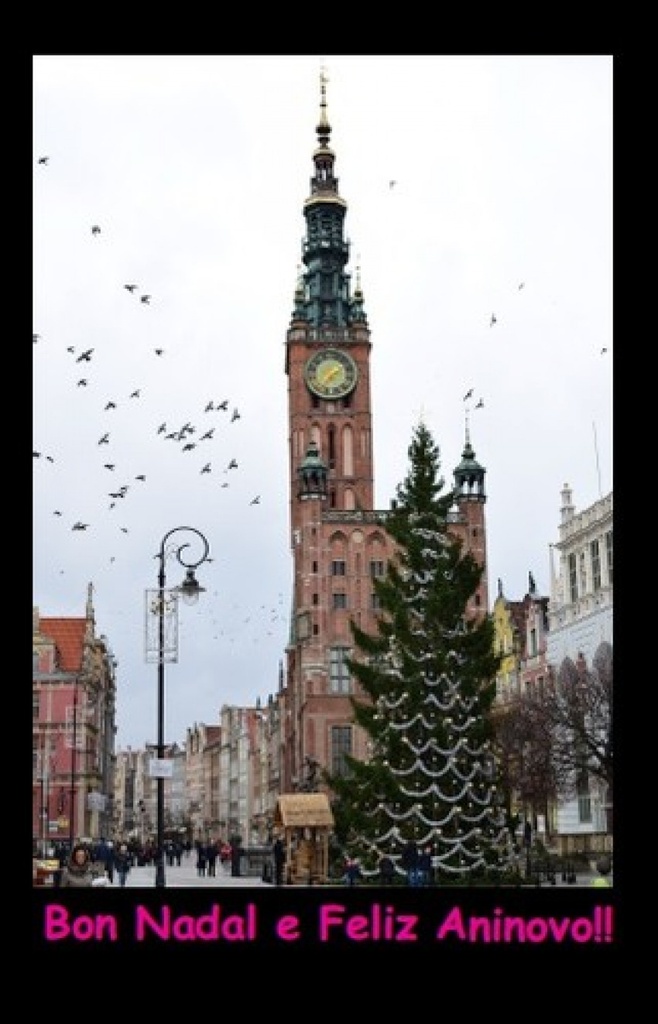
(339, 568)
(585, 568)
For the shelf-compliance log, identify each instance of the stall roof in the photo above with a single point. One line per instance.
(301, 810)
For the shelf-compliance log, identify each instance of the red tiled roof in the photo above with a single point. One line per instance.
(68, 635)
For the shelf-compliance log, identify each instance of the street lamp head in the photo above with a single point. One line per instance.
(190, 588)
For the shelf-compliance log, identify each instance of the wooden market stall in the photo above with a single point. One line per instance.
(304, 821)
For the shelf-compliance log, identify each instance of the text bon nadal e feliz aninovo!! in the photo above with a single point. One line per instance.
(335, 921)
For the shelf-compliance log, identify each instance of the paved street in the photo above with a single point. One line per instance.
(185, 877)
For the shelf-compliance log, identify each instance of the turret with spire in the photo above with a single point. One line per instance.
(469, 474)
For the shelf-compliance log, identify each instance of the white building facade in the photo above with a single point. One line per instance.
(580, 621)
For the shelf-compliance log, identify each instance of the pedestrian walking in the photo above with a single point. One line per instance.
(211, 859)
(279, 854)
(352, 871)
(409, 861)
(386, 870)
(122, 863)
(424, 866)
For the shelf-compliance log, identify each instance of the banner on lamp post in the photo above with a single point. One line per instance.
(161, 607)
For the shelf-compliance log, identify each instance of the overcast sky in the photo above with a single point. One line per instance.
(476, 186)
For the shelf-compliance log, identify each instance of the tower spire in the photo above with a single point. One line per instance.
(323, 128)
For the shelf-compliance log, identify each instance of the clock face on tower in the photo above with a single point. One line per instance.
(331, 373)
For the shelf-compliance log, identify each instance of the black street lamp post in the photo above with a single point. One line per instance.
(189, 590)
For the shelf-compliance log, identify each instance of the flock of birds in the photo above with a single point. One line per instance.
(124, 451)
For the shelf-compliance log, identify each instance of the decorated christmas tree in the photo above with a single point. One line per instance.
(429, 675)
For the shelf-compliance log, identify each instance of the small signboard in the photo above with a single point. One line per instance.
(161, 768)
(96, 801)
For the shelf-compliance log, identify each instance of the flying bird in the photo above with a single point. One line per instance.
(208, 435)
(71, 348)
(162, 428)
(480, 404)
(95, 230)
(223, 405)
(493, 320)
(141, 477)
(145, 299)
(256, 500)
(135, 394)
(82, 383)
(108, 465)
(57, 512)
(206, 468)
(468, 394)
(235, 416)
(35, 337)
(158, 351)
(392, 184)
(232, 464)
(44, 159)
(209, 407)
(105, 439)
(110, 405)
(85, 356)
(522, 285)
(603, 350)
(130, 287)
(80, 526)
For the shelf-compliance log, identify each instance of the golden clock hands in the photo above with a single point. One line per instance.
(330, 374)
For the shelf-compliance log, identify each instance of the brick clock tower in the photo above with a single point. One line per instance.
(339, 544)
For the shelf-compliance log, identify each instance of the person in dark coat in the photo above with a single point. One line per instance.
(386, 870)
(236, 854)
(425, 866)
(352, 871)
(201, 860)
(409, 861)
(122, 862)
(279, 854)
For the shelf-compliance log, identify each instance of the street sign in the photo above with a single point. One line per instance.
(161, 768)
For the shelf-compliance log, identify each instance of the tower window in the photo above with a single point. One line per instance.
(338, 568)
(376, 568)
(339, 601)
(339, 675)
(341, 744)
